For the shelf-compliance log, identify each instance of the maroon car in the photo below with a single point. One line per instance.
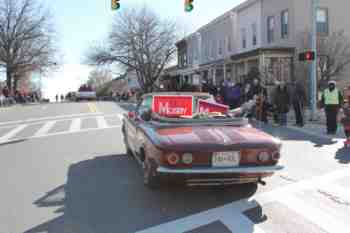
(198, 150)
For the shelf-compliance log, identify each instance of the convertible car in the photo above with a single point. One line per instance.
(174, 139)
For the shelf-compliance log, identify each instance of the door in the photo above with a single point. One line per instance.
(132, 124)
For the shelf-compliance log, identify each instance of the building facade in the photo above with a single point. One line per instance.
(262, 34)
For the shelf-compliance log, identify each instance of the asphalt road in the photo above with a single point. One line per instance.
(63, 168)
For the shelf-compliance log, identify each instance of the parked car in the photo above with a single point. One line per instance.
(85, 92)
(198, 151)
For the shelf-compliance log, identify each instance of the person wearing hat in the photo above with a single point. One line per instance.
(332, 100)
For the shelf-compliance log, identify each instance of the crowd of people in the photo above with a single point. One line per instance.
(277, 105)
(282, 100)
(8, 97)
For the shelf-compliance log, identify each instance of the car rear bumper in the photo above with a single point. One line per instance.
(235, 170)
(219, 176)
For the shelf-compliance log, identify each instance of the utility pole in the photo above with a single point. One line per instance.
(313, 65)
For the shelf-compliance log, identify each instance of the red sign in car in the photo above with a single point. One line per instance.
(205, 106)
(172, 105)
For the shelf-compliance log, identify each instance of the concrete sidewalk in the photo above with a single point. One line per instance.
(316, 127)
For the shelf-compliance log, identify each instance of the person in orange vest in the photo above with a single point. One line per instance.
(332, 101)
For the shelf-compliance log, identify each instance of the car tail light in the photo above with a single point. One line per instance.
(276, 155)
(187, 158)
(264, 156)
(173, 159)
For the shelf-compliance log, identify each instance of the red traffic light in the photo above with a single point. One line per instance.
(307, 56)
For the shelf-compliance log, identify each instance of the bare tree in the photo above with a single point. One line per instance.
(98, 77)
(140, 40)
(26, 38)
(334, 56)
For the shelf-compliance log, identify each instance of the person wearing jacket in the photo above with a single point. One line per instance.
(282, 103)
(332, 101)
(298, 102)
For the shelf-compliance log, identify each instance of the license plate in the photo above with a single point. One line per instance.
(226, 159)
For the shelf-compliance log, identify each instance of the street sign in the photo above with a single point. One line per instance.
(172, 105)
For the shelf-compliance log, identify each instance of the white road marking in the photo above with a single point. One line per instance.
(45, 128)
(314, 214)
(75, 125)
(49, 118)
(120, 116)
(59, 120)
(62, 133)
(229, 214)
(12, 133)
(101, 122)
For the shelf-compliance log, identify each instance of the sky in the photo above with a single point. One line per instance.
(80, 23)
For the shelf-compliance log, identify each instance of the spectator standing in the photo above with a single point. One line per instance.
(332, 100)
(62, 98)
(299, 101)
(282, 103)
(57, 98)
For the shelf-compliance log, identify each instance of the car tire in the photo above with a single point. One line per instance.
(250, 188)
(150, 176)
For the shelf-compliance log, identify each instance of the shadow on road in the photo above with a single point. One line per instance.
(106, 194)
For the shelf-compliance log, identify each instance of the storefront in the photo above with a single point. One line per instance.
(274, 64)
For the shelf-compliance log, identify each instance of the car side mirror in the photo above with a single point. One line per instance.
(131, 114)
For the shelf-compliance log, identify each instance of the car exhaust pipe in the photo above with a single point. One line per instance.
(260, 181)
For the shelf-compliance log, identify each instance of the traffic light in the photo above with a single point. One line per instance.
(189, 5)
(307, 56)
(115, 4)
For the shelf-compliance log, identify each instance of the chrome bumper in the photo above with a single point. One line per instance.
(234, 170)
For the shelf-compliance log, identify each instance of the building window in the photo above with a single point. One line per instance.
(213, 49)
(229, 45)
(244, 38)
(284, 23)
(254, 34)
(220, 47)
(270, 29)
(322, 20)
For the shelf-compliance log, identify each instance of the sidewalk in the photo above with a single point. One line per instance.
(317, 127)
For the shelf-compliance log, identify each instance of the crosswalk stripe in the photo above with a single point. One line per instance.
(12, 133)
(337, 190)
(120, 116)
(101, 122)
(75, 125)
(45, 128)
(313, 214)
(237, 222)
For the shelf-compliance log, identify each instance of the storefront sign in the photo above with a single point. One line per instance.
(172, 105)
(205, 106)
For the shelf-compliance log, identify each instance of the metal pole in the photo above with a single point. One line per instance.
(313, 66)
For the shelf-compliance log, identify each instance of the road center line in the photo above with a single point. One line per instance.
(12, 133)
